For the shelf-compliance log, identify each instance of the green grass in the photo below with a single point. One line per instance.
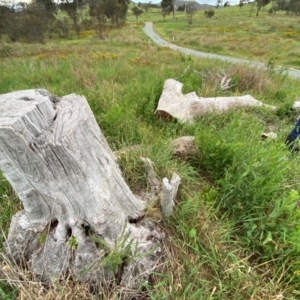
(234, 233)
(237, 33)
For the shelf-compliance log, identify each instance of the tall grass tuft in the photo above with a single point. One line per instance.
(253, 184)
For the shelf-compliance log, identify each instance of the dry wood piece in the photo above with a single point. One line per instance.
(225, 81)
(169, 192)
(152, 180)
(59, 163)
(173, 103)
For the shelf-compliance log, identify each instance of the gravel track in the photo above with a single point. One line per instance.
(148, 29)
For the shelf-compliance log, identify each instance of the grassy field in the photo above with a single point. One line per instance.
(235, 230)
(236, 32)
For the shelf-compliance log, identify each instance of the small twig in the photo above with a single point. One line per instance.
(200, 74)
(225, 81)
(152, 180)
(186, 69)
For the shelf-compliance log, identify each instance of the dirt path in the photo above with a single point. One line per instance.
(148, 29)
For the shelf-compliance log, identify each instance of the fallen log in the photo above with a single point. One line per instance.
(173, 103)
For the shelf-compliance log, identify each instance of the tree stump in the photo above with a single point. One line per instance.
(77, 206)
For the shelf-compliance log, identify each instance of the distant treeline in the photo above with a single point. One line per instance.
(31, 22)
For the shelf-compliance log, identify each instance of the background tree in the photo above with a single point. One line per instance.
(60, 27)
(260, 4)
(190, 11)
(181, 8)
(32, 22)
(137, 12)
(167, 4)
(146, 6)
(209, 13)
(293, 7)
(46, 7)
(174, 7)
(72, 9)
(115, 10)
(282, 4)
(274, 8)
(96, 11)
(6, 17)
(219, 3)
(165, 11)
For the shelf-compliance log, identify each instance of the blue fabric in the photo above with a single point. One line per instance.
(296, 131)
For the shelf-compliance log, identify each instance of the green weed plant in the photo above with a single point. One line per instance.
(253, 179)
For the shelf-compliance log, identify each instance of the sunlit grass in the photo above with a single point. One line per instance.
(207, 254)
(238, 33)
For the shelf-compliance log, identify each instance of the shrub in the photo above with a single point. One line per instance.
(181, 8)
(247, 79)
(209, 13)
(5, 50)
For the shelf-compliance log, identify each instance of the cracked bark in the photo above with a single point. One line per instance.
(173, 104)
(59, 163)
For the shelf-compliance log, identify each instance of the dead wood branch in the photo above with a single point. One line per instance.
(173, 103)
(169, 192)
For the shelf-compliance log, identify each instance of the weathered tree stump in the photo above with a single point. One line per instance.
(77, 206)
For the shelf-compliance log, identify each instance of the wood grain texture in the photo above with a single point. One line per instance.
(186, 107)
(169, 192)
(59, 163)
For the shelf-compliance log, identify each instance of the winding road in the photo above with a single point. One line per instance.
(148, 29)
